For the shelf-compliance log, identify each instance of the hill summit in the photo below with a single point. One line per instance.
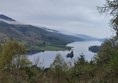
(6, 18)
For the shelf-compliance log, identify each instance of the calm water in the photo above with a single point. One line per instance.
(47, 57)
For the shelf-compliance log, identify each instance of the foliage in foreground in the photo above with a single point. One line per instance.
(16, 68)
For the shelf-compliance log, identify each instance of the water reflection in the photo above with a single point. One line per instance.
(47, 57)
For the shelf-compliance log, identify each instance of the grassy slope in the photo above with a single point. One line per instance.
(35, 37)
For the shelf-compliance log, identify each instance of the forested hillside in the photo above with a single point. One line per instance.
(16, 68)
(35, 38)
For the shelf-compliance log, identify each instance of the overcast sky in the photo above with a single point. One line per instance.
(70, 16)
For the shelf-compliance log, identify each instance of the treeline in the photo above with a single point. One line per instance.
(94, 49)
(16, 68)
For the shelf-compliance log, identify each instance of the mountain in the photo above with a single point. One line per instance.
(33, 37)
(89, 38)
(6, 18)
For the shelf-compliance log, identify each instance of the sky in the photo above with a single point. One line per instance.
(67, 16)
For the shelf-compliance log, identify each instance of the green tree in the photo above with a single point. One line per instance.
(12, 61)
(106, 52)
(111, 8)
(59, 62)
(12, 56)
(81, 71)
(59, 66)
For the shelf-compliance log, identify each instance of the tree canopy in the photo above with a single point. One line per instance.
(13, 54)
(111, 8)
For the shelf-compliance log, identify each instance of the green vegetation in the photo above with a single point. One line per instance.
(94, 49)
(16, 68)
(50, 47)
(35, 37)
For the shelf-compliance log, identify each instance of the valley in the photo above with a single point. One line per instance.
(35, 38)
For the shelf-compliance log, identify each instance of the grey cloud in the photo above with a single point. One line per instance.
(78, 16)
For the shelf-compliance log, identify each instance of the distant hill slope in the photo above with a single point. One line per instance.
(89, 38)
(37, 38)
(32, 36)
(6, 18)
(94, 48)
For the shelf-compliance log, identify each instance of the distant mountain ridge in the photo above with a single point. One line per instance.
(32, 36)
(90, 38)
(6, 18)
(35, 37)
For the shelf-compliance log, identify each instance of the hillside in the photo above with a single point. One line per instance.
(33, 37)
(94, 49)
(90, 38)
